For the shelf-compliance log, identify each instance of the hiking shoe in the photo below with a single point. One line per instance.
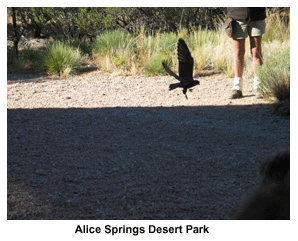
(236, 94)
(258, 95)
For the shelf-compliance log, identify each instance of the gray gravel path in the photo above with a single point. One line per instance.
(102, 147)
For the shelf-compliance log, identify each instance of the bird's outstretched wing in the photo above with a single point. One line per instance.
(185, 61)
(170, 71)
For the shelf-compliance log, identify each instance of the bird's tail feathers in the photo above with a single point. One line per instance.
(174, 86)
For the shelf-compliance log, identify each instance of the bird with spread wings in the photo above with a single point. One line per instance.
(185, 69)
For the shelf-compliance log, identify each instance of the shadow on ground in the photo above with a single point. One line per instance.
(137, 163)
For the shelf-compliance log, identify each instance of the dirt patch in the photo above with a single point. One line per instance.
(97, 146)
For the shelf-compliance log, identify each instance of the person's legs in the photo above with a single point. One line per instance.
(239, 52)
(256, 52)
(257, 60)
(256, 31)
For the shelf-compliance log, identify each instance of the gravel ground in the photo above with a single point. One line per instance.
(97, 146)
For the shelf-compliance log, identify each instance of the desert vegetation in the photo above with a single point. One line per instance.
(133, 41)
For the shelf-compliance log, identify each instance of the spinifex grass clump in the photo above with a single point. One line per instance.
(112, 40)
(115, 51)
(277, 26)
(161, 47)
(154, 64)
(275, 75)
(31, 58)
(62, 59)
(83, 45)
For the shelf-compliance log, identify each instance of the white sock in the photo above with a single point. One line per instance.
(256, 82)
(238, 83)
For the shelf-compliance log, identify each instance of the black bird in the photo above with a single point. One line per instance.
(185, 69)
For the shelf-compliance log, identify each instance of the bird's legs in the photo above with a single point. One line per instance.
(184, 92)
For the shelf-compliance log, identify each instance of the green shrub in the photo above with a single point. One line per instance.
(32, 58)
(162, 48)
(84, 46)
(111, 40)
(154, 64)
(274, 75)
(62, 59)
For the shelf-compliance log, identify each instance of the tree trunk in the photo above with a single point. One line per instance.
(16, 36)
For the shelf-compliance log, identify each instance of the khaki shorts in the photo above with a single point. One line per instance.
(243, 29)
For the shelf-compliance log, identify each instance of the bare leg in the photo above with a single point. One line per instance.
(256, 52)
(239, 52)
(257, 60)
